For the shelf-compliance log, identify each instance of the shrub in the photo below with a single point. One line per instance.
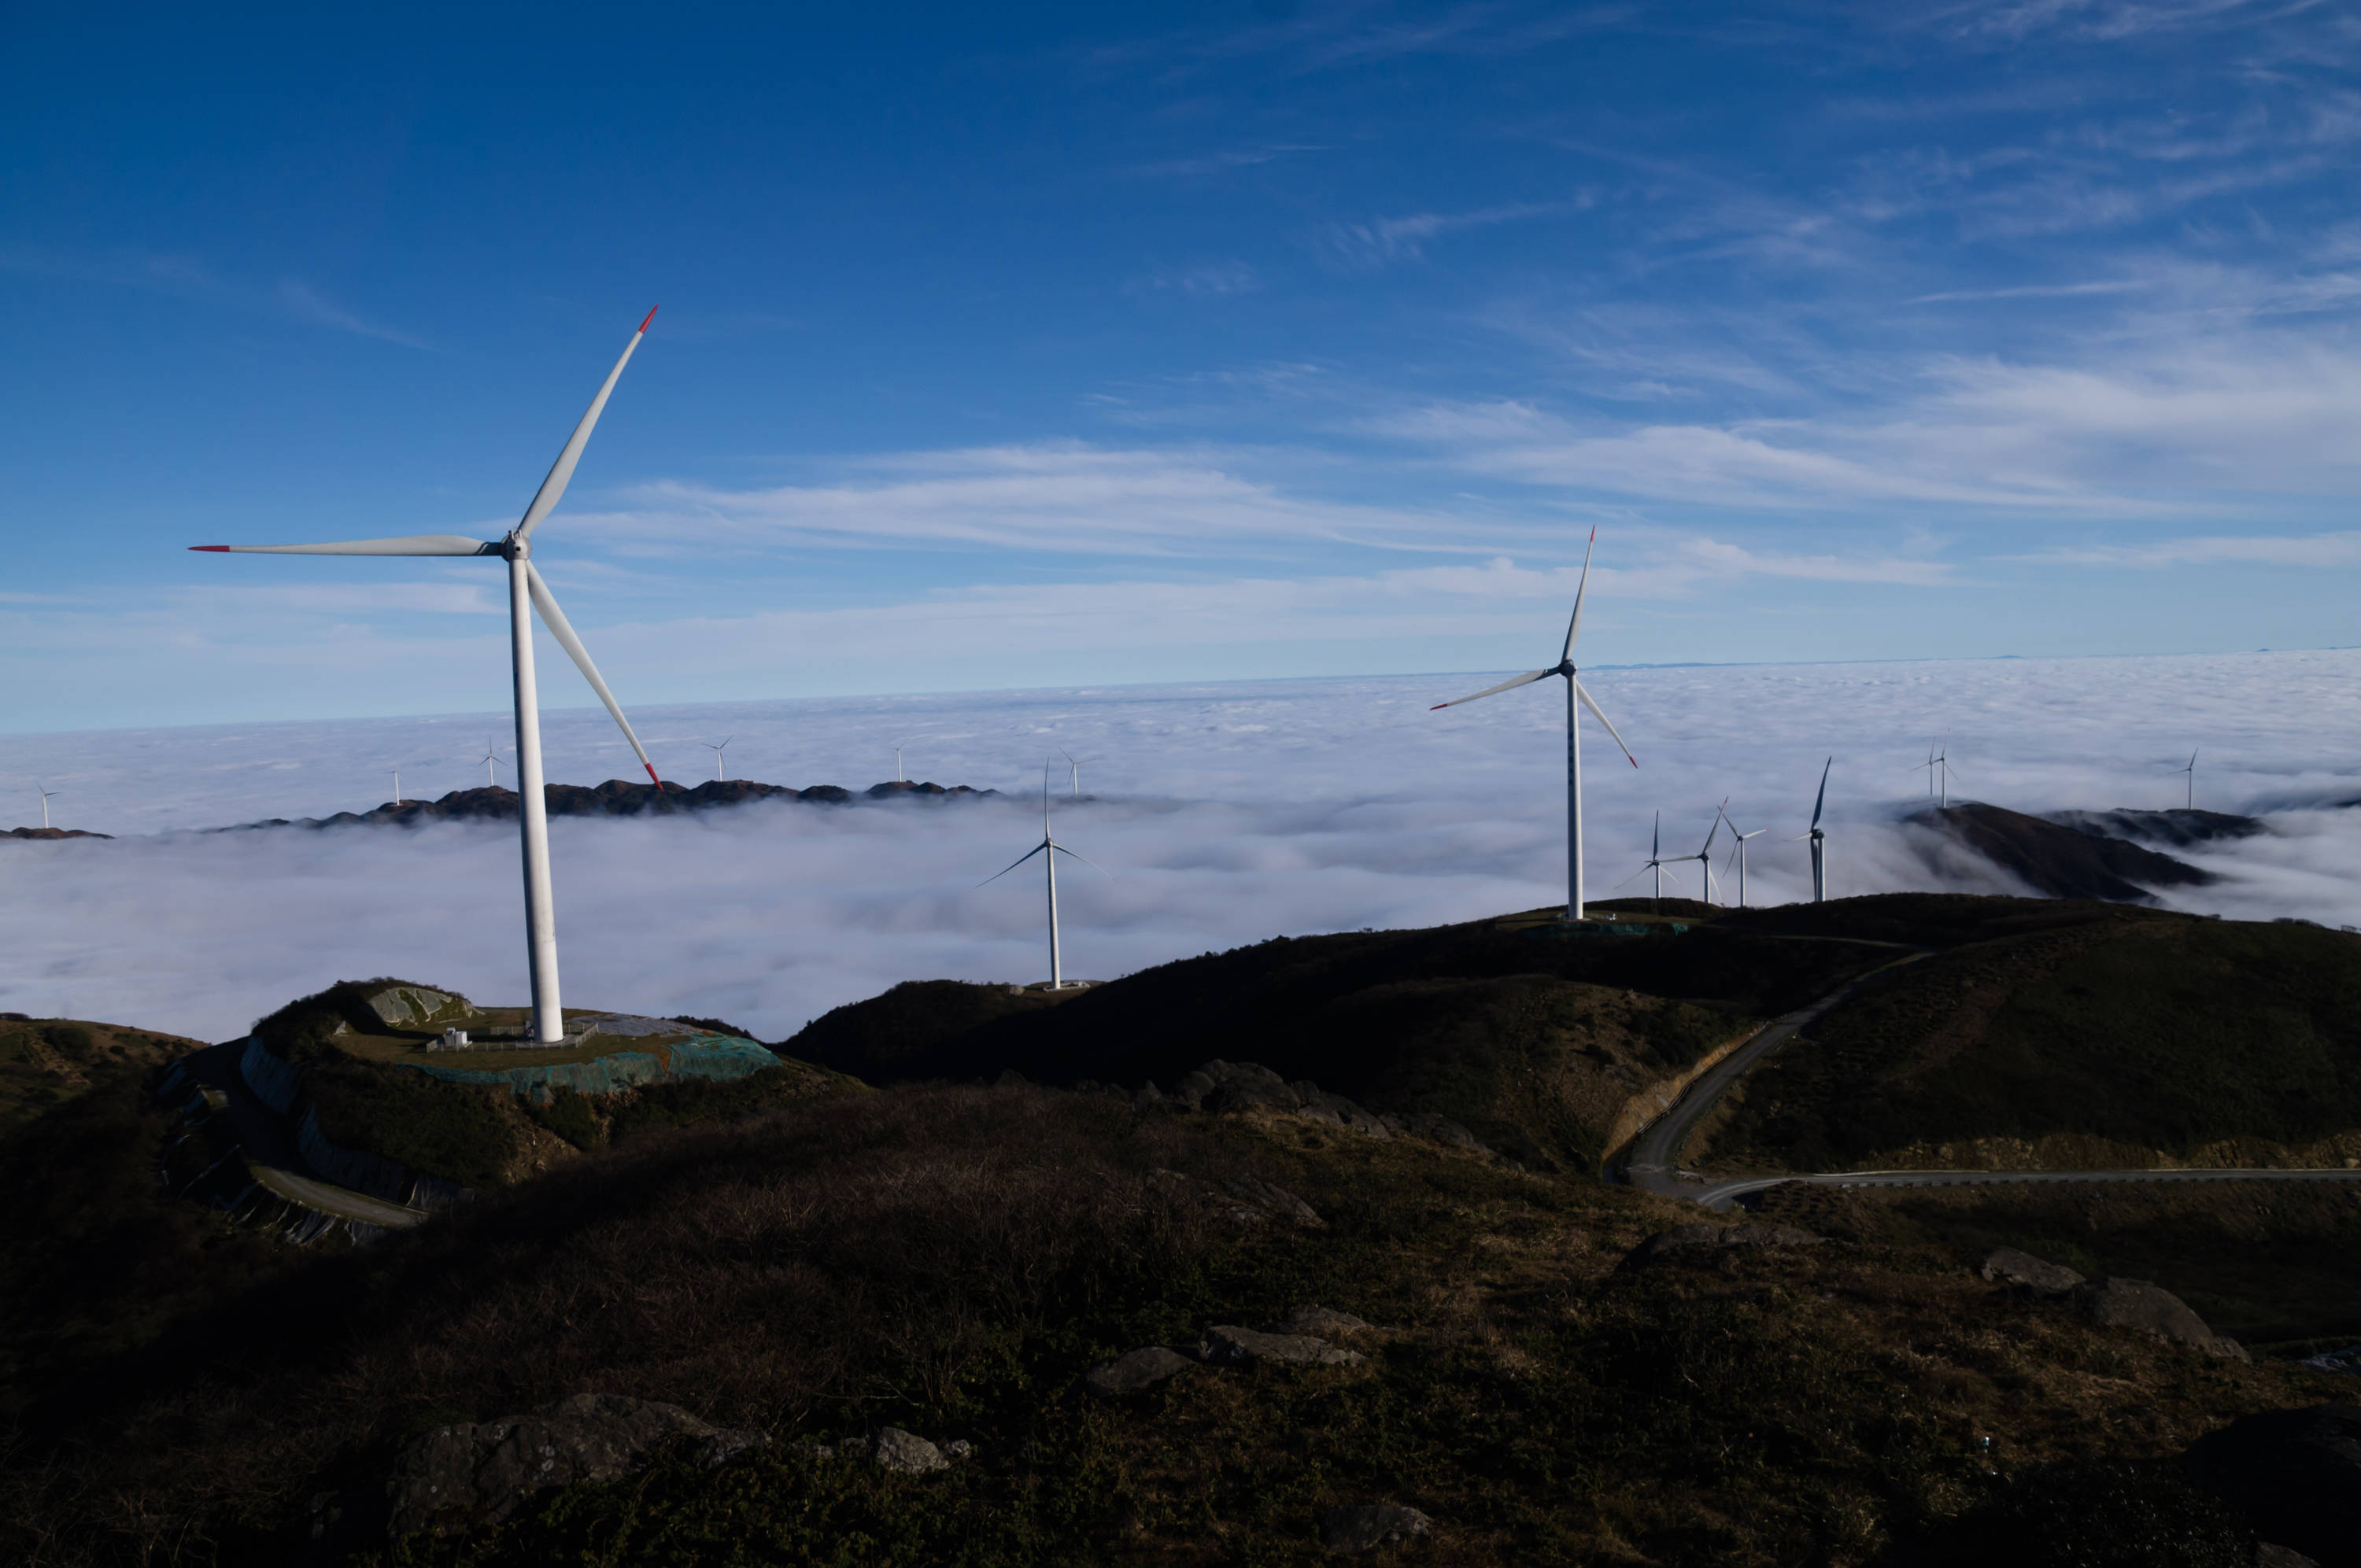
(568, 1115)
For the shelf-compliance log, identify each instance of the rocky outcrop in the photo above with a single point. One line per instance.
(1220, 1086)
(1690, 1243)
(1318, 1321)
(1365, 1527)
(2143, 1305)
(475, 1473)
(1227, 1344)
(2296, 1475)
(1274, 1199)
(48, 833)
(2023, 1271)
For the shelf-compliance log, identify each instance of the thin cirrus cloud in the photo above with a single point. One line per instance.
(1379, 242)
(186, 277)
(2341, 550)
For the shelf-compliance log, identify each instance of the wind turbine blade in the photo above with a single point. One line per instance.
(1525, 679)
(409, 545)
(1583, 692)
(1582, 585)
(1657, 839)
(1822, 798)
(561, 473)
(1014, 863)
(555, 618)
(1084, 859)
(1714, 829)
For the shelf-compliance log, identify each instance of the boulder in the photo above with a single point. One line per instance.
(1246, 1086)
(906, 1452)
(1442, 1129)
(2296, 1475)
(2023, 1271)
(479, 1472)
(2139, 1304)
(1277, 1198)
(1135, 1370)
(1317, 1105)
(1365, 1527)
(1228, 1346)
(1690, 1242)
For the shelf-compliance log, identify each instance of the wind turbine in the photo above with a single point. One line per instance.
(492, 754)
(1657, 861)
(46, 792)
(2191, 770)
(396, 772)
(527, 593)
(716, 751)
(1819, 838)
(1573, 692)
(1050, 849)
(897, 764)
(1739, 854)
(1704, 856)
(1076, 763)
(1939, 772)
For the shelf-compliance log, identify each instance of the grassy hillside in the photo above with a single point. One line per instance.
(949, 1260)
(2077, 1033)
(1533, 1041)
(44, 1061)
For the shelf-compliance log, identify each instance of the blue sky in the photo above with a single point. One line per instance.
(1061, 345)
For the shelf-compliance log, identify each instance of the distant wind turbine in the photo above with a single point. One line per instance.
(898, 778)
(1050, 849)
(492, 754)
(527, 593)
(1738, 853)
(396, 772)
(716, 751)
(46, 792)
(2190, 804)
(1075, 783)
(1819, 838)
(1574, 692)
(1657, 861)
(1939, 772)
(1704, 857)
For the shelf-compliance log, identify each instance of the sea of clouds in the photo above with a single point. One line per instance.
(1220, 814)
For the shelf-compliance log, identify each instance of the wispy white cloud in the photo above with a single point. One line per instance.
(186, 277)
(1207, 280)
(2326, 550)
(1380, 241)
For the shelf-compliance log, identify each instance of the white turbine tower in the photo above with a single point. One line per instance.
(1657, 861)
(2190, 805)
(396, 772)
(716, 751)
(1574, 692)
(1704, 857)
(1075, 784)
(1939, 772)
(527, 593)
(1739, 854)
(898, 778)
(1050, 849)
(492, 754)
(46, 792)
(1819, 838)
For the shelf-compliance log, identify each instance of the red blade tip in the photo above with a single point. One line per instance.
(652, 776)
(1438, 708)
(209, 547)
(649, 317)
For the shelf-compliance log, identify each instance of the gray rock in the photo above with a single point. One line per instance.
(1149, 1097)
(2006, 1266)
(1317, 1320)
(1319, 1105)
(1194, 1085)
(1365, 1527)
(1275, 1198)
(472, 1473)
(1135, 1370)
(1245, 1086)
(413, 1006)
(1688, 1241)
(2270, 1554)
(2139, 1304)
(959, 1448)
(905, 1453)
(1227, 1344)
(2296, 1475)
(1442, 1129)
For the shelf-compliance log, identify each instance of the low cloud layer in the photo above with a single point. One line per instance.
(1222, 814)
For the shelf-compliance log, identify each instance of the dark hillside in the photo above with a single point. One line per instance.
(2143, 1035)
(950, 1261)
(2180, 828)
(2059, 861)
(44, 1061)
(1535, 1042)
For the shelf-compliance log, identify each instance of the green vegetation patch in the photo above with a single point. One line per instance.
(2150, 1031)
(459, 1131)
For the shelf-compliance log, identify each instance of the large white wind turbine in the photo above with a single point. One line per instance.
(492, 754)
(2190, 805)
(1939, 772)
(46, 792)
(527, 593)
(1574, 692)
(1819, 838)
(1050, 849)
(396, 772)
(1739, 854)
(716, 751)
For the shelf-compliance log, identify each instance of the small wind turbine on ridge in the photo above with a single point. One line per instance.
(1939, 772)
(46, 792)
(1657, 862)
(527, 593)
(492, 754)
(1704, 857)
(1050, 849)
(1819, 838)
(716, 751)
(898, 778)
(2189, 805)
(1573, 694)
(1738, 853)
(396, 772)
(1075, 783)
